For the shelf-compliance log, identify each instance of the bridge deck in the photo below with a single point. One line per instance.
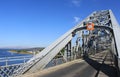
(101, 65)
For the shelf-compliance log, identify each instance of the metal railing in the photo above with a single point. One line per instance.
(9, 64)
(8, 61)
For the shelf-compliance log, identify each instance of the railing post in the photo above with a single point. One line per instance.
(6, 61)
(24, 59)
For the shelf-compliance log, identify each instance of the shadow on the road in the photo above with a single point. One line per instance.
(110, 71)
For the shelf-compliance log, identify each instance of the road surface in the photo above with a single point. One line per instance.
(98, 65)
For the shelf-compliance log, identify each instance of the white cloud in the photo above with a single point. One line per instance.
(76, 19)
(76, 2)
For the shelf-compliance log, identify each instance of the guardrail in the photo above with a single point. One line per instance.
(7, 70)
(8, 61)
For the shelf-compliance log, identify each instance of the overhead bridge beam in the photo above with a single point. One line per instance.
(40, 64)
(96, 26)
(40, 60)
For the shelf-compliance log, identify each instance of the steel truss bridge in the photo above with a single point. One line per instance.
(77, 43)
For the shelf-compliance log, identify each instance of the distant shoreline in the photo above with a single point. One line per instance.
(20, 51)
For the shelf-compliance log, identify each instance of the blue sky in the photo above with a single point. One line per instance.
(36, 23)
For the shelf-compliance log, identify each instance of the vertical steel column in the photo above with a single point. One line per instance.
(68, 50)
(83, 43)
(78, 49)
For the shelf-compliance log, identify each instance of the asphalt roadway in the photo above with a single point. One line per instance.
(98, 65)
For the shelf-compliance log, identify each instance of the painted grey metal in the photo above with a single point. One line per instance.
(116, 31)
(101, 20)
(10, 64)
(40, 60)
(6, 71)
(6, 61)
